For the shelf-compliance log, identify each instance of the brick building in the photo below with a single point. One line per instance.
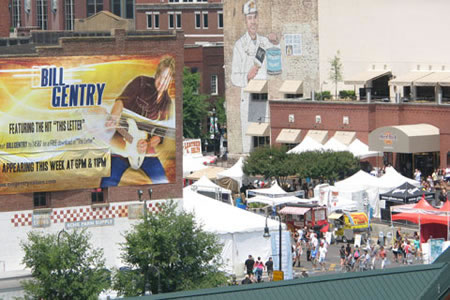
(202, 21)
(114, 206)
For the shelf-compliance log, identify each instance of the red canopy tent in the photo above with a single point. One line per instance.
(432, 221)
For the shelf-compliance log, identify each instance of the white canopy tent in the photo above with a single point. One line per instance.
(235, 172)
(361, 150)
(240, 231)
(392, 179)
(274, 191)
(275, 195)
(334, 145)
(308, 144)
(192, 164)
(206, 185)
(274, 201)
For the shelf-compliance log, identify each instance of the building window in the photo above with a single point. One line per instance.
(149, 20)
(41, 14)
(220, 19)
(97, 196)
(94, 6)
(260, 141)
(293, 96)
(171, 20)
(205, 19)
(69, 8)
(156, 20)
(259, 97)
(174, 1)
(123, 8)
(178, 20)
(214, 87)
(152, 20)
(16, 13)
(198, 20)
(40, 199)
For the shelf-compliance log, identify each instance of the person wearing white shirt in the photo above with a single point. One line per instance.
(246, 66)
(322, 255)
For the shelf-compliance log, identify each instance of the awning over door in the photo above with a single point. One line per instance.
(405, 139)
(364, 77)
(432, 79)
(408, 78)
(258, 129)
(256, 87)
(289, 136)
(345, 137)
(291, 87)
(320, 136)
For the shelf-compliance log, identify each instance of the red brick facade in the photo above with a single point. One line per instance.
(363, 118)
(4, 18)
(56, 18)
(119, 44)
(208, 60)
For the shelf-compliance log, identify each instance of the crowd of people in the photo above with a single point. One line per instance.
(255, 270)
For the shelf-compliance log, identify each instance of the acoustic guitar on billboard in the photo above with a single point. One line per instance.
(132, 128)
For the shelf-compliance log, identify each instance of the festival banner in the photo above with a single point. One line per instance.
(81, 122)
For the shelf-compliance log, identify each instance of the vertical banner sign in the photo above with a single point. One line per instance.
(84, 122)
(436, 248)
(286, 253)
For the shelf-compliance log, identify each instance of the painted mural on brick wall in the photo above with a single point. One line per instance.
(274, 44)
(83, 122)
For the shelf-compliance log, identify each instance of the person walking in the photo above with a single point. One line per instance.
(250, 264)
(382, 255)
(259, 268)
(342, 255)
(322, 256)
(269, 268)
(314, 256)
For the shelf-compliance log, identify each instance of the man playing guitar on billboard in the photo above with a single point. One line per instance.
(149, 98)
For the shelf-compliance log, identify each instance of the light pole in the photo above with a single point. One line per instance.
(267, 235)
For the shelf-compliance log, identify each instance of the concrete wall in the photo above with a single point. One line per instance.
(400, 34)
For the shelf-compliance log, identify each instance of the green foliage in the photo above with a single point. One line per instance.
(67, 267)
(336, 70)
(275, 162)
(169, 252)
(327, 165)
(220, 111)
(269, 162)
(195, 107)
(347, 94)
(325, 95)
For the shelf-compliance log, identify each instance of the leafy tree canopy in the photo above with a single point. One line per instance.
(275, 162)
(195, 106)
(64, 266)
(336, 71)
(167, 252)
(270, 162)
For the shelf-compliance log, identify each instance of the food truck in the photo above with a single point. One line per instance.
(300, 215)
(346, 224)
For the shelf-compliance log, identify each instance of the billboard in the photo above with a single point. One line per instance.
(80, 122)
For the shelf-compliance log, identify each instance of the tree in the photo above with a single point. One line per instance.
(325, 165)
(167, 252)
(64, 266)
(220, 111)
(336, 71)
(195, 107)
(270, 162)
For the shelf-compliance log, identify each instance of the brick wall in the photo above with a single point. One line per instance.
(363, 118)
(4, 18)
(116, 45)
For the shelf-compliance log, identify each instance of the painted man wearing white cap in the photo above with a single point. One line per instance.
(246, 64)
